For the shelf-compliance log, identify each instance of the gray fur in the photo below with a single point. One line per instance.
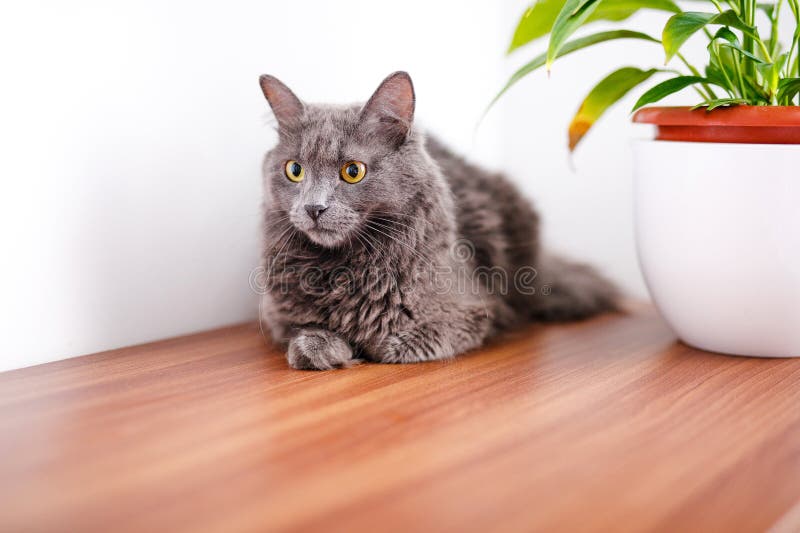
(318, 349)
(420, 219)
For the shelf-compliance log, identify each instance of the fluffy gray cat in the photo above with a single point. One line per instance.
(382, 245)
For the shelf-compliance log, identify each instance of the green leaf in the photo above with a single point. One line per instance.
(727, 39)
(721, 102)
(788, 88)
(572, 46)
(665, 88)
(738, 48)
(617, 10)
(755, 88)
(715, 75)
(570, 18)
(535, 22)
(683, 25)
(772, 72)
(538, 19)
(605, 94)
(679, 28)
(730, 18)
(725, 33)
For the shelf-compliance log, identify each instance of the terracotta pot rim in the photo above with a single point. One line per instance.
(739, 124)
(740, 116)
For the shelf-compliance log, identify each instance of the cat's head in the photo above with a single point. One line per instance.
(335, 166)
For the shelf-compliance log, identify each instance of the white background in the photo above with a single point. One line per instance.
(132, 135)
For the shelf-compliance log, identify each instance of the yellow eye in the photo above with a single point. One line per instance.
(353, 171)
(294, 171)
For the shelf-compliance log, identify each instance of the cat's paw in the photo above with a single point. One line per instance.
(394, 350)
(407, 347)
(317, 349)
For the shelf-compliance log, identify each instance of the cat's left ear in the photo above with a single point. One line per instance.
(390, 110)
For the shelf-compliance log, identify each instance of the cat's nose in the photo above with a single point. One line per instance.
(315, 210)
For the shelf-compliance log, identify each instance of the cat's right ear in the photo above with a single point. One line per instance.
(390, 110)
(285, 105)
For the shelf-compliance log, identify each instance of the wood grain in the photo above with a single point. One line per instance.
(598, 426)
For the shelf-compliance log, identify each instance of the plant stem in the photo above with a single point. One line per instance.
(773, 30)
(795, 7)
(789, 63)
(764, 50)
(730, 83)
(711, 95)
(797, 58)
(793, 4)
(749, 14)
(734, 7)
(738, 67)
(716, 4)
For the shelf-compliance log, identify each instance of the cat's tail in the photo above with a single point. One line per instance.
(571, 291)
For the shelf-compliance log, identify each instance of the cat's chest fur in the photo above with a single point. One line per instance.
(352, 293)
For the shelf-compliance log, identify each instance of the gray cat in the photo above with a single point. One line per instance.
(382, 245)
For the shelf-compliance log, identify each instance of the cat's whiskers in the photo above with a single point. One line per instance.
(270, 221)
(267, 280)
(374, 257)
(419, 238)
(275, 211)
(363, 243)
(418, 241)
(273, 243)
(289, 247)
(369, 246)
(356, 234)
(401, 238)
(414, 252)
(412, 217)
(390, 221)
(277, 255)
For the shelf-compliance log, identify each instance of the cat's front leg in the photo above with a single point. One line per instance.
(319, 349)
(434, 340)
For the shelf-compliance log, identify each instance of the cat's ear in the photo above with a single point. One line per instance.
(285, 105)
(390, 110)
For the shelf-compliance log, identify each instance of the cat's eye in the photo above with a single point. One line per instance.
(353, 171)
(294, 171)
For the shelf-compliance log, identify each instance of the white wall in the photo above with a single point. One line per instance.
(132, 135)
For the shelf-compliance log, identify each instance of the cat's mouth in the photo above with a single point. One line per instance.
(330, 230)
(324, 236)
(323, 231)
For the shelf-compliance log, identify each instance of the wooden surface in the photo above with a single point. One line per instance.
(605, 425)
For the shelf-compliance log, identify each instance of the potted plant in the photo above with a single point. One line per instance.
(717, 193)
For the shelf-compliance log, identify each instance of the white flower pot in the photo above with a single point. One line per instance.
(718, 235)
